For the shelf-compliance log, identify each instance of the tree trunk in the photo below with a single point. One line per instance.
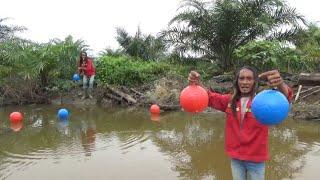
(43, 79)
(226, 59)
(225, 63)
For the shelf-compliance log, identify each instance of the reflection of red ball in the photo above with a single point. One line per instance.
(194, 99)
(16, 126)
(155, 117)
(155, 109)
(15, 117)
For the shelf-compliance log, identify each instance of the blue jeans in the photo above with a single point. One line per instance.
(241, 169)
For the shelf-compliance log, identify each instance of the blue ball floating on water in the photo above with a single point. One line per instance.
(76, 77)
(63, 114)
(270, 107)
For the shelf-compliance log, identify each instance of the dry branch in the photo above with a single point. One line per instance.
(313, 92)
(137, 92)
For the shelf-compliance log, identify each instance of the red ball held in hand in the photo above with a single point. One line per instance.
(194, 99)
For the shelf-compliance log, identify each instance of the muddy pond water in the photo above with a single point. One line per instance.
(129, 143)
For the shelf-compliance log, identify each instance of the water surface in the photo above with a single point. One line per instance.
(128, 143)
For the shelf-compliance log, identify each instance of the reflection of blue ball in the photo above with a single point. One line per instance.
(63, 114)
(76, 77)
(270, 107)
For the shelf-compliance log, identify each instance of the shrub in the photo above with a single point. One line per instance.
(267, 55)
(128, 72)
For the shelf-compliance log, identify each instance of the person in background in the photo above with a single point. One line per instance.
(87, 70)
(246, 139)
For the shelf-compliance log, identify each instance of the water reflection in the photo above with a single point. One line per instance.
(88, 136)
(16, 126)
(176, 145)
(63, 126)
(155, 117)
(196, 148)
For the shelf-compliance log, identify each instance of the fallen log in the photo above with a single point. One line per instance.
(223, 78)
(113, 97)
(123, 95)
(309, 79)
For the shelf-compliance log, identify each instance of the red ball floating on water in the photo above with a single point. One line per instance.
(16, 117)
(155, 109)
(194, 98)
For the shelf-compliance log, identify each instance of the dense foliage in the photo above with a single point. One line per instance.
(28, 69)
(307, 42)
(127, 71)
(39, 62)
(268, 55)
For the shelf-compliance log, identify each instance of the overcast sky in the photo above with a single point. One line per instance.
(94, 21)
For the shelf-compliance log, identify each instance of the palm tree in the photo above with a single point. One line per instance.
(8, 31)
(215, 29)
(142, 46)
(57, 59)
(307, 42)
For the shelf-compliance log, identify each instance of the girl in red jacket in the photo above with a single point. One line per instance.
(87, 69)
(246, 139)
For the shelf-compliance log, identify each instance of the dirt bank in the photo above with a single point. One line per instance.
(165, 92)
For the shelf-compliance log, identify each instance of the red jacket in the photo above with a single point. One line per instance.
(90, 70)
(248, 142)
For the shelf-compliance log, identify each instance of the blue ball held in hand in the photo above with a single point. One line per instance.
(76, 77)
(63, 114)
(270, 107)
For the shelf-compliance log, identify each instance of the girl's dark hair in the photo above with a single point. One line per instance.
(81, 59)
(236, 90)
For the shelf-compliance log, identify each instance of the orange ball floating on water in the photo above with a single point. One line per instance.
(16, 117)
(155, 109)
(194, 99)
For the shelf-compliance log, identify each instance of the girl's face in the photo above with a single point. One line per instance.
(246, 82)
(83, 55)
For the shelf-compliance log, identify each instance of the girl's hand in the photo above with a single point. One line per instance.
(194, 78)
